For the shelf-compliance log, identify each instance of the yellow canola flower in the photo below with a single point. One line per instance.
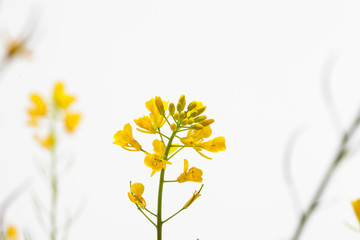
(192, 199)
(193, 175)
(157, 119)
(38, 109)
(11, 233)
(47, 142)
(195, 140)
(156, 160)
(62, 99)
(125, 139)
(356, 207)
(215, 145)
(71, 121)
(146, 123)
(135, 194)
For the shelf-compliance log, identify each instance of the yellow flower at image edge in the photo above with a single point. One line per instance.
(71, 121)
(125, 139)
(356, 207)
(62, 99)
(38, 109)
(11, 233)
(135, 194)
(155, 161)
(193, 175)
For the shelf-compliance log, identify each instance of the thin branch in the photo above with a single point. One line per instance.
(292, 188)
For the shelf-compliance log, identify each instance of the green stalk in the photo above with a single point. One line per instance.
(54, 180)
(161, 185)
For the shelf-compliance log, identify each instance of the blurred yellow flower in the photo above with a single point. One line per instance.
(71, 121)
(356, 207)
(145, 123)
(47, 142)
(11, 233)
(194, 174)
(135, 194)
(157, 119)
(192, 199)
(155, 161)
(38, 109)
(125, 139)
(62, 99)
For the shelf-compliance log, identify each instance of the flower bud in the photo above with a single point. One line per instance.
(191, 121)
(200, 118)
(192, 105)
(176, 116)
(179, 107)
(159, 105)
(184, 122)
(197, 126)
(201, 110)
(207, 122)
(194, 114)
(171, 109)
(182, 115)
(181, 104)
(173, 127)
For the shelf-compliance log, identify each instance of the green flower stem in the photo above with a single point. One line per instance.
(145, 215)
(150, 212)
(339, 157)
(161, 185)
(53, 176)
(162, 134)
(175, 153)
(162, 140)
(174, 215)
(170, 180)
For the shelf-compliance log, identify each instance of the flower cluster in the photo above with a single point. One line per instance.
(57, 107)
(179, 119)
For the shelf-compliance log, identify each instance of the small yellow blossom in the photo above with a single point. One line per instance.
(145, 123)
(62, 99)
(17, 48)
(192, 199)
(156, 160)
(11, 233)
(157, 119)
(71, 121)
(47, 142)
(125, 139)
(38, 109)
(215, 145)
(135, 194)
(193, 175)
(356, 207)
(195, 139)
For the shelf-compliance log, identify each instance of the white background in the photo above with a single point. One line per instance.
(257, 65)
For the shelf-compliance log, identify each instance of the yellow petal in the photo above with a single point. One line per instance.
(186, 165)
(137, 189)
(71, 121)
(159, 147)
(215, 145)
(356, 207)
